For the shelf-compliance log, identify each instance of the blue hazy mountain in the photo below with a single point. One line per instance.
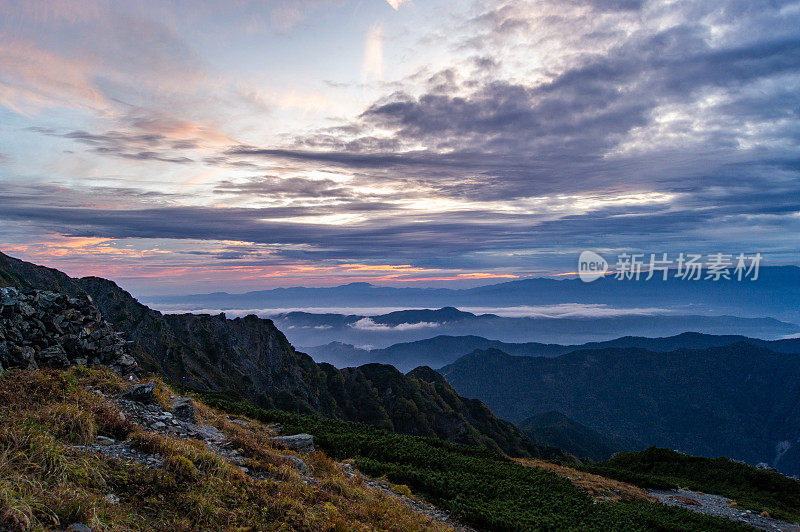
(442, 350)
(310, 329)
(738, 400)
(775, 293)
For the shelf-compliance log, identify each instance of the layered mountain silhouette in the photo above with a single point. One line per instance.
(251, 357)
(442, 350)
(775, 293)
(383, 330)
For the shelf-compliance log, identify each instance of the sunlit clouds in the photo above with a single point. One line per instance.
(396, 3)
(183, 146)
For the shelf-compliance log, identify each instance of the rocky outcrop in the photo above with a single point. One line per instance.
(183, 409)
(49, 329)
(297, 442)
(141, 393)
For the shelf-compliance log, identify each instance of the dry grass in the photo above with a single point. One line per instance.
(600, 488)
(46, 484)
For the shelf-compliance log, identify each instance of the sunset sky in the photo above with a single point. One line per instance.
(191, 146)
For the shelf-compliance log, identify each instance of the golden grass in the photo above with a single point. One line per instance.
(600, 488)
(45, 483)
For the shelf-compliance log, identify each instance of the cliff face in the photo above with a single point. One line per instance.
(247, 355)
(251, 357)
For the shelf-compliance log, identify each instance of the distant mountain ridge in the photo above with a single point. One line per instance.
(251, 357)
(443, 349)
(775, 293)
(383, 330)
(738, 400)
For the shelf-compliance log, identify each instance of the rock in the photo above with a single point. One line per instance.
(9, 296)
(111, 499)
(54, 357)
(50, 329)
(298, 464)
(125, 361)
(204, 432)
(78, 527)
(141, 393)
(103, 440)
(22, 357)
(296, 442)
(183, 409)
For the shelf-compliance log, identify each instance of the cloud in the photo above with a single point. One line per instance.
(525, 133)
(566, 310)
(396, 3)
(366, 324)
(33, 78)
(372, 65)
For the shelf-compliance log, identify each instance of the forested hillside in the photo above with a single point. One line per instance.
(739, 401)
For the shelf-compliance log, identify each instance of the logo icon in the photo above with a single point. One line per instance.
(591, 266)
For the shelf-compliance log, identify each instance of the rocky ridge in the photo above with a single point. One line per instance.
(139, 406)
(39, 328)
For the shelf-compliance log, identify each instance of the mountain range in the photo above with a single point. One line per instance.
(774, 293)
(708, 395)
(442, 350)
(383, 330)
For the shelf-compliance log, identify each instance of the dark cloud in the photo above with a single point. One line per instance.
(128, 145)
(291, 187)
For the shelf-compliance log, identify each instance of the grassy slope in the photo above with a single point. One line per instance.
(481, 487)
(750, 487)
(46, 484)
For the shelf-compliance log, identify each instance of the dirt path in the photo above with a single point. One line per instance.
(721, 507)
(605, 489)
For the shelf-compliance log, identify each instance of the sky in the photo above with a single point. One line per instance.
(189, 146)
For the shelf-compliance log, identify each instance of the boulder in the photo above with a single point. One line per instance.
(54, 357)
(183, 409)
(205, 432)
(296, 442)
(9, 296)
(141, 393)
